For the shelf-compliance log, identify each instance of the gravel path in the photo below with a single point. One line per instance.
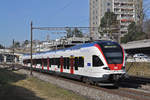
(82, 90)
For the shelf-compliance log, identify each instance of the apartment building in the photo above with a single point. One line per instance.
(127, 11)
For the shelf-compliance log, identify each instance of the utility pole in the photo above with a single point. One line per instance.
(13, 65)
(31, 49)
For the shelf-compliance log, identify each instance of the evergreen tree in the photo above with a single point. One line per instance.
(76, 32)
(108, 21)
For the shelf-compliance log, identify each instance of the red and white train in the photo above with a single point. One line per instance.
(100, 61)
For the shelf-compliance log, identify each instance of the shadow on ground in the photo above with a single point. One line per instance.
(132, 83)
(8, 91)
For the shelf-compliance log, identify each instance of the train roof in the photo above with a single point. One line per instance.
(75, 47)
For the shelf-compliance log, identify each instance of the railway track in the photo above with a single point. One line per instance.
(141, 79)
(126, 91)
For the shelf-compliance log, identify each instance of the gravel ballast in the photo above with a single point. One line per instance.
(80, 89)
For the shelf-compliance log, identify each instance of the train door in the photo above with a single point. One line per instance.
(48, 64)
(42, 64)
(61, 64)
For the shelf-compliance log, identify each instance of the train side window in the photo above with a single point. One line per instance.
(50, 62)
(58, 62)
(97, 61)
(24, 61)
(67, 62)
(34, 62)
(54, 59)
(81, 62)
(28, 61)
(76, 63)
(45, 62)
(39, 61)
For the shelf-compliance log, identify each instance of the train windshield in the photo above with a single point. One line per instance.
(112, 52)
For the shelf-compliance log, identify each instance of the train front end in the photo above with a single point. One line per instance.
(113, 58)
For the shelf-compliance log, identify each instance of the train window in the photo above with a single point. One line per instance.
(50, 62)
(97, 61)
(25, 61)
(28, 61)
(81, 62)
(58, 62)
(76, 63)
(2, 58)
(45, 62)
(112, 52)
(39, 61)
(55, 61)
(67, 63)
(34, 62)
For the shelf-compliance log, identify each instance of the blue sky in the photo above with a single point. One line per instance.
(16, 15)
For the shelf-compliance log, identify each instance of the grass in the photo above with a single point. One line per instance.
(139, 69)
(48, 91)
(15, 86)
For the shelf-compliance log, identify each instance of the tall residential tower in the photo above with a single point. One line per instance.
(127, 11)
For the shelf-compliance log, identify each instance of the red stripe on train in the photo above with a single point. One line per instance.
(42, 65)
(71, 65)
(48, 64)
(61, 64)
(99, 48)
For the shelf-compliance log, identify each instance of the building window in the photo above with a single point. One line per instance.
(108, 4)
(96, 17)
(96, 11)
(108, 9)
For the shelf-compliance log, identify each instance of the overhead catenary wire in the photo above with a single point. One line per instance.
(61, 9)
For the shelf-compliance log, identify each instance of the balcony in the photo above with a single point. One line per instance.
(124, 7)
(123, 1)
